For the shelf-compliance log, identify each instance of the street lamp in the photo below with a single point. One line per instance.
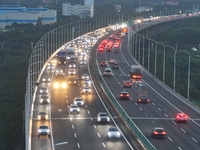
(188, 90)
(174, 64)
(62, 143)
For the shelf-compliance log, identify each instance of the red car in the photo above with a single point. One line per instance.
(103, 64)
(124, 96)
(158, 132)
(128, 83)
(180, 117)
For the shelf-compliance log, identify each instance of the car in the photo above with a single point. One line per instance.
(112, 61)
(85, 76)
(42, 116)
(73, 108)
(79, 101)
(124, 95)
(127, 83)
(46, 79)
(115, 66)
(103, 64)
(83, 62)
(113, 132)
(44, 98)
(59, 71)
(72, 65)
(158, 132)
(103, 117)
(43, 130)
(54, 61)
(50, 66)
(181, 117)
(86, 89)
(87, 82)
(72, 80)
(107, 72)
(59, 81)
(44, 90)
(72, 71)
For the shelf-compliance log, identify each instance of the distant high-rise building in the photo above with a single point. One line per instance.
(86, 10)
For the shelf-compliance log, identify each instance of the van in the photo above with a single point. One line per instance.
(108, 72)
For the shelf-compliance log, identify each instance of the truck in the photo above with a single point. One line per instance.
(136, 72)
(61, 56)
(142, 93)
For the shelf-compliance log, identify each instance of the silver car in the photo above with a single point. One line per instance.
(72, 65)
(86, 90)
(103, 117)
(74, 109)
(46, 79)
(44, 130)
(83, 62)
(44, 90)
(72, 71)
(113, 132)
(59, 71)
(79, 101)
(85, 76)
(87, 82)
(44, 99)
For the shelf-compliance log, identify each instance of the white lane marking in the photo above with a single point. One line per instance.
(179, 148)
(174, 122)
(75, 135)
(78, 145)
(85, 106)
(146, 114)
(194, 139)
(166, 115)
(95, 126)
(152, 121)
(118, 82)
(183, 130)
(91, 118)
(169, 138)
(72, 126)
(103, 145)
(153, 104)
(88, 112)
(140, 108)
(159, 109)
(98, 134)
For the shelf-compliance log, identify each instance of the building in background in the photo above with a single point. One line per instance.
(15, 14)
(86, 10)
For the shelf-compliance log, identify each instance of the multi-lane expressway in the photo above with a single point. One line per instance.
(81, 131)
(159, 112)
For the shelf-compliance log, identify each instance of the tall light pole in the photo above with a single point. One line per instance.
(163, 61)
(155, 56)
(188, 89)
(62, 143)
(174, 65)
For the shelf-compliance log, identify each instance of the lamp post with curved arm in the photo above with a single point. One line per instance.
(174, 65)
(188, 89)
(62, 143)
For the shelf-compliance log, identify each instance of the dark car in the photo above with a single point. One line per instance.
(115, 66)
(124, 96)
(158, 132)
(103, 64)
(72, 81)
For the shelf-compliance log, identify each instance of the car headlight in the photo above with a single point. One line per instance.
(40, 91)
(108, 118)
(98, 119)
(56, 85)
(78, 109)
(109, 134)
(71, 109)
(118, 134)
(39, 117)
(41, 100)
(43, 79)
(64, 85)
(83, 90)
(48, 130)
(46, 116)
(48, 100)
(39, 131)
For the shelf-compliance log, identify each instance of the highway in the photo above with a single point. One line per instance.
(159, 112)
(81, 131)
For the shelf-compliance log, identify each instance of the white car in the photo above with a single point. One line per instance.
(103, 117)
(72, 65)
(85, 76)
(83, 62)
(59, 71)
(44, 90)
(86, 90)
(74, 109)
(44, 99)
(87, 82)
(50, 67)
(113, 132)
(46, 79)
(72, 71)
(44, 130)
(79, 101)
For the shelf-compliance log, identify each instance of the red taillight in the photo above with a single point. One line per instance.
(164, 132)
(147, 100)
(127, 95)
(155, 132)
(186, 117)
(139, 100)
(121, 94)
(177, 116)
